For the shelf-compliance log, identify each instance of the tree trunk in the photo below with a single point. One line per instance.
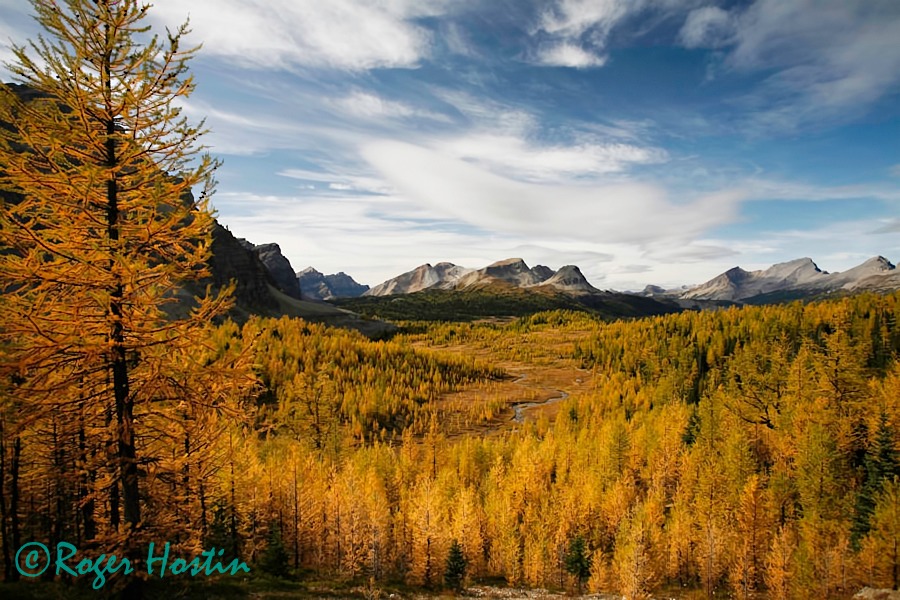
(86, 491)
(4, 530)
(14, 500)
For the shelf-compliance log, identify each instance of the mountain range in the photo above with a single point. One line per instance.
(512, 272)
(795, 279)
(508, 287)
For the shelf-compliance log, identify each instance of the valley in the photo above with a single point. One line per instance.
(682, 406)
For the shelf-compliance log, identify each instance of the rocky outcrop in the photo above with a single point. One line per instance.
(278, 265)
(232, 261)
(316, 286)
(344, 286)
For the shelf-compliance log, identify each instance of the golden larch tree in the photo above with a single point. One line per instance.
(99, 234)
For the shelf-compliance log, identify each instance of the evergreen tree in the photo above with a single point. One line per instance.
(881, 465)
(275, 560)
(577, 561)
(455, 567)
(220, 534)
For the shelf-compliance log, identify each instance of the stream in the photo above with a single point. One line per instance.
(519, 408)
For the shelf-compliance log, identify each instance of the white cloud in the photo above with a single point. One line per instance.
(6, 54)
(579, 30)
(567, 54)
(772, 189)
(567, 21)
(514, 156)
(887, 226)
(342, 182)
(707, 27)
(242, 133)
(572, 18)
(352, 35)
(511, 142)
(370, 238)
(487, 113)
(829, 61)
(366, 105)
(625, 212)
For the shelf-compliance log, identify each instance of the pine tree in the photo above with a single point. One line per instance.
(275, 559)
(100, 236)
(577, 560)
(882, 465)
(455, 567)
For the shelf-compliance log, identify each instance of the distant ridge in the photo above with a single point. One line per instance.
(316, 286)
(788, 280)
(511, 272)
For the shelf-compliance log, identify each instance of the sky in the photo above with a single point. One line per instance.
(646, 141)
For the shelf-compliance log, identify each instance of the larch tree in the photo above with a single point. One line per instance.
(100, 235)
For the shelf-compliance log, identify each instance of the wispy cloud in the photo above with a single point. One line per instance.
(625, 212)
(708, 27)
(367, 105)
(577, 31)
(343, 182)
(773, 189)
(887, 226)
(573, 18)
(512, 142)
(353, 35)
(829, 63)
(567, 54)
(515, 156)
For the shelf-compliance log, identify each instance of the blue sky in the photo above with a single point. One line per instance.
(647, 141)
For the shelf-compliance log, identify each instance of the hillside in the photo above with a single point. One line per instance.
(496, 299)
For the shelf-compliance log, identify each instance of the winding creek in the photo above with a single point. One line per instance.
(519, 408)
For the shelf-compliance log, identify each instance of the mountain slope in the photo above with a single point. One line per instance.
(441, 275)
(570, 279)
(512, 270)
(501, 299)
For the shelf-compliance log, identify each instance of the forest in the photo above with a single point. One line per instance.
(734, 452)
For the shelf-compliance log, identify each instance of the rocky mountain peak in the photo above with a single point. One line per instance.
(879, 263)
(736, 274)
(570, 279)
(423, 277)
(793, 279)
(316, 286)
(278, 265)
